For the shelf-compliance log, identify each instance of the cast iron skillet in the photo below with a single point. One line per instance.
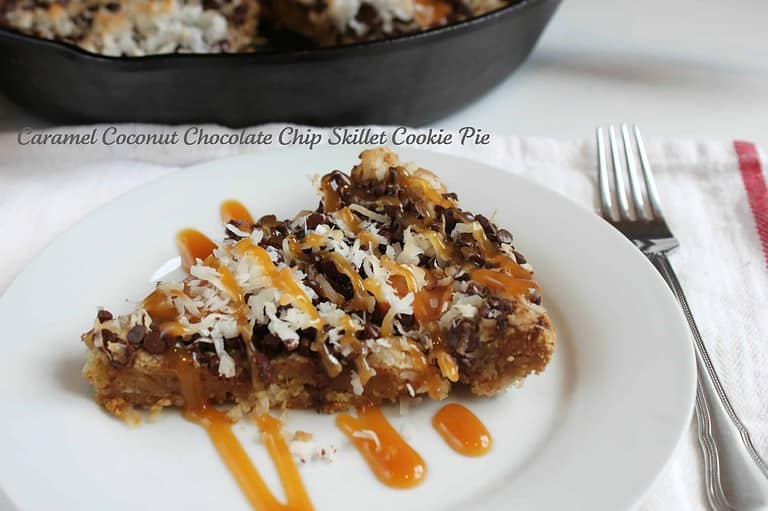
(408, 80)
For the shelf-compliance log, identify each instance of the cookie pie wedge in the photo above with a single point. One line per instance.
(387, 289)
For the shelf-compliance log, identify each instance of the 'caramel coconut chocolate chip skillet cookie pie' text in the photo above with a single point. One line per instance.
(386, 290)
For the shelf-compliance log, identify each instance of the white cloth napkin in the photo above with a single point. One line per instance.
(722, 261)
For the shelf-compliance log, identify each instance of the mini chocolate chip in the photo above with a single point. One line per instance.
(421, 209)
(314, 220)
(504, 236)
(104, 315)
(136, 334)
(369, 16)
(477, 259)
(108, 336)
(380, 188)
(154, 342)
(233, 344)
(407, 321)
(467, 217)
(497, 303)
(451, 196)
(271, 342)
(370, 331)
(391, 211)
(239, 14)
(113, 6)
(520, 257)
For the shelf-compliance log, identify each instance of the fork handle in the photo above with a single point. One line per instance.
(732, 466)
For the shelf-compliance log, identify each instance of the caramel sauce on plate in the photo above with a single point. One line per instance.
(219, 428)
(462, 430)
(234, 210)
(193, 245)
(392, 460)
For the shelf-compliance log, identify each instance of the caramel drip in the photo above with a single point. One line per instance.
(494, 255)
(429, 303)
(314, 240)
(428, 307)
(353, 223)
(219, 428)
(442, 250)
(235, 292)
(331, 196)
(160, 307)
(392, 460)
(373, 286)
(503, 283)
(397, 272)
(193, 245)
(234, 210)
(367, 239)
(361, 300)
(419, 188)
(282, 279)
(349, 219)
(462, 430)
(295, 493)
(401, 280)
(447, 364)
(173, 329)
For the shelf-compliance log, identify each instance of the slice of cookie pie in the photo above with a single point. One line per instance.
(387, 289)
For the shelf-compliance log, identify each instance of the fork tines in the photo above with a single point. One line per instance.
(639, 209)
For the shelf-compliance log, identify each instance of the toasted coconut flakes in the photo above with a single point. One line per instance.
(237, 232)
(357, 385)
(535, 308)
(357, 208)
(462, 228)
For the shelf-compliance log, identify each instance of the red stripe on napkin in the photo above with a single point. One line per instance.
(757, 192)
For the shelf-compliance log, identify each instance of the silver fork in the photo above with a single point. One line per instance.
(736, 477)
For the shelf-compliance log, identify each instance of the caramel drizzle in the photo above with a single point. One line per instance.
(232, 210)
(503, 283)
(282, 279)
(392, 460)
(218, 426)
(193, 245)
(361, 299)
(462, 430)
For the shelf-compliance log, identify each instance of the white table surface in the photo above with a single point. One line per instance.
(687, 68)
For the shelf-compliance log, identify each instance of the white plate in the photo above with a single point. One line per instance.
(591, 432)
